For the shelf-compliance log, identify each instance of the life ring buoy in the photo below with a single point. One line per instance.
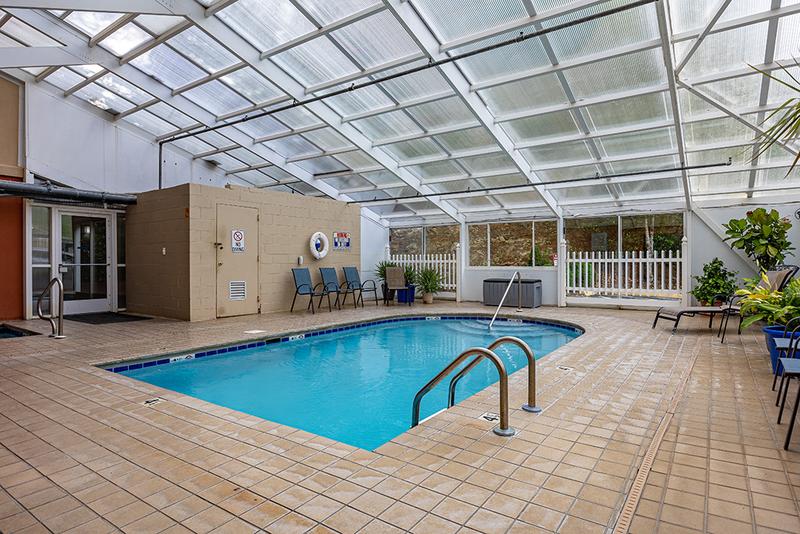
(319, 245)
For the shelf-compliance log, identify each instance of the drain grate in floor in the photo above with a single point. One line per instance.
(564, 368)
(153, 402)
(489, 416)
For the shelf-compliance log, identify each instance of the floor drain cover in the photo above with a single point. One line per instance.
(564, 368)
(489, 416)
(151, 402)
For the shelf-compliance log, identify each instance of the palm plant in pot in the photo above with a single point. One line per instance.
(430, 281)
(761, 302)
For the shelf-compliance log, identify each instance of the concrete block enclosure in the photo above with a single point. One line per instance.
(173, 256)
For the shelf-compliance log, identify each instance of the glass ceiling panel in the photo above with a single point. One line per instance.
(87, 70)
(557, 153)
(297, 117)
(524, 95)
(149, 122)
(585, 192)
(124, 89)
(655, 186)
(743, 91)
(558, 123)
(195, 44)
(368, 195)
(158, 24)
(777, 176)
(418, 148)
(440, 113)
(788, 38)
(632, 71)
(103, 99)
(125, 39)
(496, 162)
(325, 12)
(419, 84)
(65, 78)
(450, 19)
(502, 181)
(168, 67)
(216, 97)
(739, 156)
(465, 139)
(780, 93)
(170, 114)
(356, 160)
(376, 40)
(246, 156)
(348, 182)
(471, 202)
(255, 177)
(359, 101)
(225, 161)
(439, 169)
(295, 145)
(315, 62)
(266, 23)
(629, 111)
(725, 50)
(321, 165)
(251, 85)
(633, 143)
(91, 22)
(387, 125)
(716, 131)
(691, 14)
(510, 59)
(262, 127)
(719, 183)
(193, 145)
(8, 42)
(277, 173)
(646, 164)
(567, 173)
(606, 33)
(327, 139)
(518, 199)
(459, 185)
(26, 34)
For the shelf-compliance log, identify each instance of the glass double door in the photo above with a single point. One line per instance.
(84, 261)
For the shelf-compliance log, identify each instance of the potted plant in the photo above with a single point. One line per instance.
(775, 308)
(380, 271)
(715, 280)
(430, 282)
(762, 235)
(407, 295)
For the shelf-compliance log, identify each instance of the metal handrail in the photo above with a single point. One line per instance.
(502, 300)
(58, 328)
(531, 405)
(502, 429)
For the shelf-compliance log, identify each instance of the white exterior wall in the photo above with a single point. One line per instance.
(374, 238)
(74, 143)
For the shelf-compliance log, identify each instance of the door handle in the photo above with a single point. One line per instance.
(219, 264)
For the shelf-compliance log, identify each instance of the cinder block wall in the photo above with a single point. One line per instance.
(157, 253)
(286, 222)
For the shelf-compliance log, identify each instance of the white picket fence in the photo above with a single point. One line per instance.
(633, 274)
(445, 264)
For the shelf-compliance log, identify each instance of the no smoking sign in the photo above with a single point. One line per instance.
(237, 241)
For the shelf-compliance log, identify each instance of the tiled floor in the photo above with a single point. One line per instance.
(79, 452)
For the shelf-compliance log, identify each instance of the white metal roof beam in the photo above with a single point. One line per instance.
(422, 35)
(722, 107)
(111, 28)
(718, 11)
(42, 56)
(669, 63)
(150, 7)
(250, 55)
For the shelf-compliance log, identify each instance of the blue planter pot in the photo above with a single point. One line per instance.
(770, 333)
(406, 295)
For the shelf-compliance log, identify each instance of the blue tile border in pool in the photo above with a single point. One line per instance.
(153, 361)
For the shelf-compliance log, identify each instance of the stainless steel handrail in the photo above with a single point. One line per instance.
(502, 429)
(502, 300)
(531, 405)
(58, 328)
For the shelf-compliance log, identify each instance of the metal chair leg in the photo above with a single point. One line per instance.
(293, 300)
(783, 401)
(791, 423)
(778, 398)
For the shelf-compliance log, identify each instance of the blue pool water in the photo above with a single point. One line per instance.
(354, 386)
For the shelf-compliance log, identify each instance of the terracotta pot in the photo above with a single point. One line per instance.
(427, 298)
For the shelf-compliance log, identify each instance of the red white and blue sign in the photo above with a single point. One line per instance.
(341, 241)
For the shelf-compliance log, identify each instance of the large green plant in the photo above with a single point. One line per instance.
(715, 280)
(786, 125)
(410, 274)
(762, 235)
(762, 303)
(380, 268)
(429, 280)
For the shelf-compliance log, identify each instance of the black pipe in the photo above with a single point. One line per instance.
(50, 192)
(527, 187)
(431, 64)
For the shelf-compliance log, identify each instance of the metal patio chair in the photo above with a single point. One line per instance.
(330, 285)
(304, 286)
(354, 284)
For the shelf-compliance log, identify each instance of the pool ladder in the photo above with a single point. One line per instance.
(479, 353)
(57, 326)
(518, 276)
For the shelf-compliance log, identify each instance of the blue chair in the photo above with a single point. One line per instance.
(354, 283)
(330, 284)
(304, 286)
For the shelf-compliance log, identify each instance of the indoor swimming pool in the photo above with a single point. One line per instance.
(353, 384)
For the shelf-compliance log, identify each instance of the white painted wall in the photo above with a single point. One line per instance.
(374, 238)
(72, 142)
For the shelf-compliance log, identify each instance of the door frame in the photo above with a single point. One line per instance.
(56, 210)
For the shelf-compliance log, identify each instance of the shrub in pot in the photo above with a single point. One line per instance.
(762, 235)
(430, 282)
(407, 295)
(775, 308)
(715, 280)
(380, 271)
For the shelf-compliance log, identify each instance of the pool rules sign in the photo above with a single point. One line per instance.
(237, 241)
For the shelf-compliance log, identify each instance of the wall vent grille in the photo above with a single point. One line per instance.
(237, 290)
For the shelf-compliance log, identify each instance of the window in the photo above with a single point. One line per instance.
(441, 239)
(661, 232)
(517, 244)
(121, 295)
(40, 254)
(597, 234)
(405, 240)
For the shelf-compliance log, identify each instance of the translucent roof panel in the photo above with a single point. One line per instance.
(327, 139)
(125, 39)
(441, 113)
(91, 22)
(651, 186)
(719, 182)
(723, 51)
(557, 153)
(691, 14)
(158, 24)
(417, 148)
(376, 40)
(527, 55)
(326, 12)
(629, 111)
(788, 39)
(170, 114)
(451, 19)
(217, 98)
(555, 124)
(251, 85)
(417, 85)
(149, 122)
(632, 143)
(716, 130)
(632, 71)
(266, 23)
(524, 95)
(103, 99)
(387, 125)
(167, 66)
(568, 173)
(315, 62)
(465, 140)
(26, 34)
(359, 101)
(124, 88)
(294, 145)
(196, 45)
(65, 78)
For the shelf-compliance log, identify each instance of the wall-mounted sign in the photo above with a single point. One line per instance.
(237, 240)
(341, 240)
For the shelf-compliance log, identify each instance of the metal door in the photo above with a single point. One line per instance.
(237, 260)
